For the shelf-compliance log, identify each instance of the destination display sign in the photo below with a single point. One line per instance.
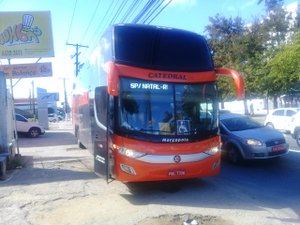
(151, 86)
(27, 70)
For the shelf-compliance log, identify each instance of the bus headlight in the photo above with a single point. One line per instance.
(130, 153)
(213, 150)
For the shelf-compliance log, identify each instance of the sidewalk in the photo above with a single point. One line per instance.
(53, 169)
(61, 125)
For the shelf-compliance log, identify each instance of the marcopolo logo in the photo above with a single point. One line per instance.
(21, 33)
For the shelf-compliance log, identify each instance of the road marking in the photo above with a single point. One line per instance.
(293, 150)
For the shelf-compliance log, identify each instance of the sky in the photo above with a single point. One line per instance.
(83, 22)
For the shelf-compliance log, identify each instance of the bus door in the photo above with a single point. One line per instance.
(100, 133)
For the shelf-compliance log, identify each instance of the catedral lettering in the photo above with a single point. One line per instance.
(148, 123)
(168, 76)
(14, 35)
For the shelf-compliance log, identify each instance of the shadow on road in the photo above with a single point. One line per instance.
(256, 185)
(51, 157)
(49, 170)
(50, 138)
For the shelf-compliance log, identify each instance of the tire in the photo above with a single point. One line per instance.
(234, 155)
(297, 138)
(270, 125)
(80, 145)
(34, 132)
(3, 167)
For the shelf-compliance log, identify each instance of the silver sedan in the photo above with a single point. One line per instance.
(244, 138)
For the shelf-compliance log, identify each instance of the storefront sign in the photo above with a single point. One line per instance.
(25, 35)
(27, 70)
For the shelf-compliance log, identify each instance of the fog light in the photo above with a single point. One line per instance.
(127, 169)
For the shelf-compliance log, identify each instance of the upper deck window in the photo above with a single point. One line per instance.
(161, 49)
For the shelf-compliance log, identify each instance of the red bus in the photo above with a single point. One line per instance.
(146, 105)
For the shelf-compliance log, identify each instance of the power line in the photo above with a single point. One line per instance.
(72, 19)
(101, 22)
(117, 12)
(130, 11)
(143, 11)
(91, 20)
(152, 10)
(160, 11)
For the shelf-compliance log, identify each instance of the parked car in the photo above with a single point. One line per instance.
(280, 118)
(52, 117)
(32, 129)
(243, 138)
(24, 113)
(61, 114)
(294, 127)
(56, 115)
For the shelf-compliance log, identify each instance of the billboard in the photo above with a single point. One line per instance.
(25, 35)
(31, 70)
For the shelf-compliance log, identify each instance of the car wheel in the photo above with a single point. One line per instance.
(234, 155)
(34, 132)
(270, 125)
(297, 137)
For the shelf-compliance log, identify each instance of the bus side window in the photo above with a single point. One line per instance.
(101, 97)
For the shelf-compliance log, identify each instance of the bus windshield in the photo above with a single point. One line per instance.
(162, 108)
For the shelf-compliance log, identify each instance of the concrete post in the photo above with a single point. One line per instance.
(3, 118)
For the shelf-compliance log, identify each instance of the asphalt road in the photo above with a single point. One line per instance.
(57, 186)
(292, 143)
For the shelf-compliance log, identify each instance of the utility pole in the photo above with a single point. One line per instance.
(66, 103)
(77, 63)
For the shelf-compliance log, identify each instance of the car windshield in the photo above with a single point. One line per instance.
(240, 123)
(167, 109)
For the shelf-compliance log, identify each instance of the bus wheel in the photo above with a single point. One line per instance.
(3, 169)
(234, 155)
(80, 145)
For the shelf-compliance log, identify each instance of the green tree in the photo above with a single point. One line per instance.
(277, 28)
(224, 38)
(284, 67)
(240, 47)
(250, 49)
(254, 60)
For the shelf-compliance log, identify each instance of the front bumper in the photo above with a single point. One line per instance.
(266, 152)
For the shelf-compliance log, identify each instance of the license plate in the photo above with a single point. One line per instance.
(176, 172)
(278, 148)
